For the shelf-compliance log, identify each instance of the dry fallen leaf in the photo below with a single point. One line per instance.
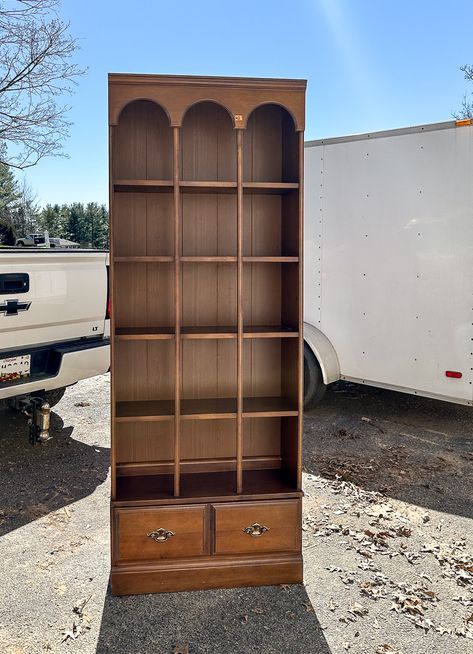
(181, 648)
(333, 568)
(387, 649)
(72, 633)
(80, 604)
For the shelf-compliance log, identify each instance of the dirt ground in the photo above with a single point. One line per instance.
(387, 540)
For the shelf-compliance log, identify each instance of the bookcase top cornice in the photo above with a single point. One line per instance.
(177, 93)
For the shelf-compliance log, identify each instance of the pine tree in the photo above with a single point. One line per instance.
(9, 193)
(25, 216)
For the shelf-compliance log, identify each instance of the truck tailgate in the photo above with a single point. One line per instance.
(49, 296)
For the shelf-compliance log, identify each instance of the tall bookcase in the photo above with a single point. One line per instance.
(206, 276)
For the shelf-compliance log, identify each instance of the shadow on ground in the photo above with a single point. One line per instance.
(410, 448)
(40, 479)
(271, 619)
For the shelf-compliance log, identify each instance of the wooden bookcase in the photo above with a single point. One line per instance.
(206, 276)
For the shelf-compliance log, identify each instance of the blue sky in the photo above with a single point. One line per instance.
(370, 65)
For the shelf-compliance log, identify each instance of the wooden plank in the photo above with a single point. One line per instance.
(149, 467)
(177, 310)
(144, 333)
(269, 331)
(269, 406)
(139, 410)
(277, 188)
(207, 186)
(300, 362)
(270, 259)
(208, 332)
(240, 218)
(210, 574)
(144, 182)
(111, 282)
(213, 259)
(143, 259)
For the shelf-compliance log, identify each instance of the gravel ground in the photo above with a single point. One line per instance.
(387, 523)
(387, 540)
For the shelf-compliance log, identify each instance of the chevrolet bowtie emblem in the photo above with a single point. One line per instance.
(11, 307)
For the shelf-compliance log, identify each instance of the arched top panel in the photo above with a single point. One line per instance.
(271, 145)
(144, 99)
(143, 144)
(208, 101)
(208, 143)
(280, 106)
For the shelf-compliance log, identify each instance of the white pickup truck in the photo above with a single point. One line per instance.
(54, 325)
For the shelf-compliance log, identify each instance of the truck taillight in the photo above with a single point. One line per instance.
(107, 315)
(454, 374)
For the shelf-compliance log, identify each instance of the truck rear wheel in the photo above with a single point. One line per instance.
(314, 387)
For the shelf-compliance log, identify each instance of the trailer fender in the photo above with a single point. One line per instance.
(324, 352)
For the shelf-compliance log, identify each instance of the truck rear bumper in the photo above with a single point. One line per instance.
(80, 362)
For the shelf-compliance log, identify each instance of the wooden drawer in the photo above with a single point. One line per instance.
(255, 527)
(159, 533)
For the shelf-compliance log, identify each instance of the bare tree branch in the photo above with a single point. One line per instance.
(466, 109)
(36, 70)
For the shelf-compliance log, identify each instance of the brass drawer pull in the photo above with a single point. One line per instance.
(161, 535)
(256, 530)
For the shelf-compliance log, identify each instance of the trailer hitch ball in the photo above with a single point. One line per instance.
(38, 413)
(42, 422)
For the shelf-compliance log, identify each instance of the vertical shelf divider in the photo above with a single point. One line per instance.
(113, 456)
(177, 309)
(300, 376)
(239, 435)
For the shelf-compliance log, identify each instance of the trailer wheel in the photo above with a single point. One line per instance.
(314, 387)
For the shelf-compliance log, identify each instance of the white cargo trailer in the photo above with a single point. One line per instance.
(389, 261)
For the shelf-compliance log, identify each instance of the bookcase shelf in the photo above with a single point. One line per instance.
(206, 283)
(211, 259)
(144, 333)
(144, 259)
(204, 332)
(134, 411)
(276, 188)
(211, 486)
(143, 185)
(207, 187)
